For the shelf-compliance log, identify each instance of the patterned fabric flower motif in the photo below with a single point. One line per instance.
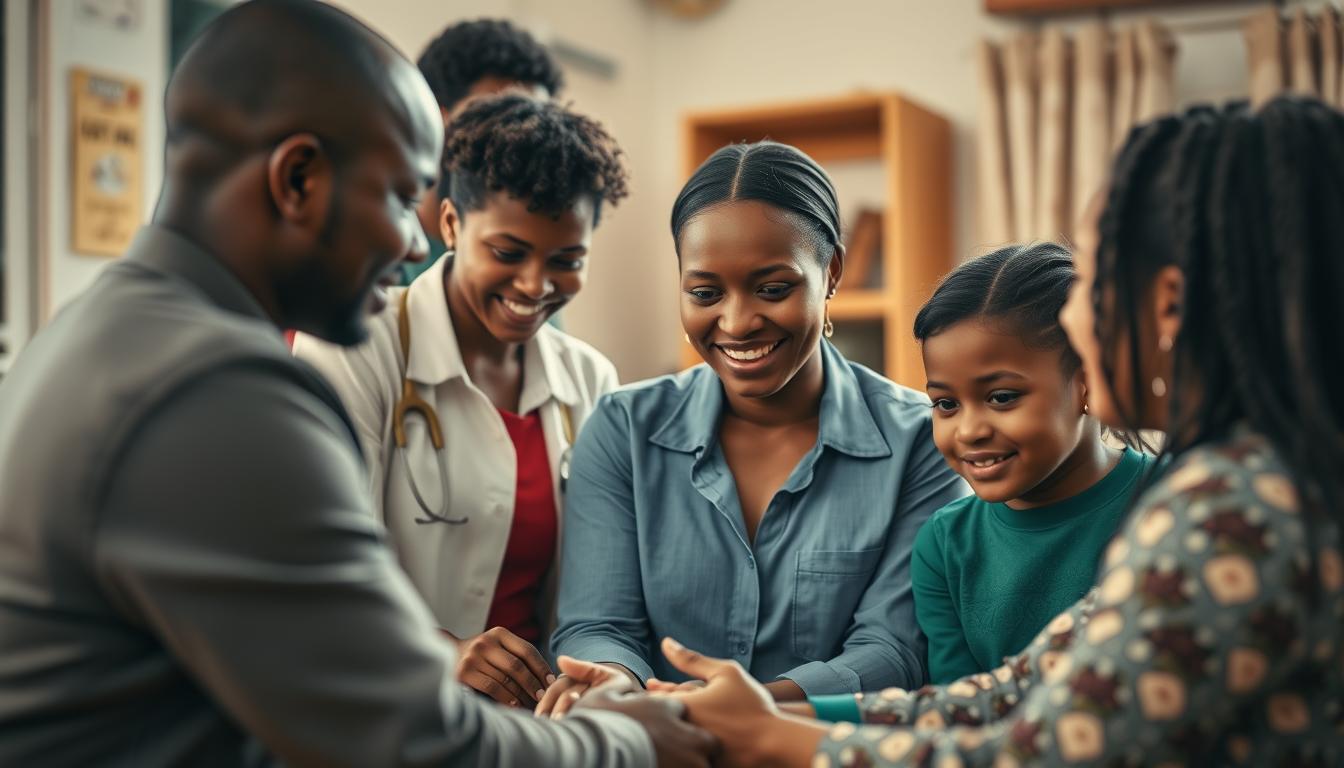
(1232, 532)
(1060, 630)
(962, 689)
(895, 746)
(1095, 691)
(1116, 552)
(932, 720)
(1177, 650)
(1277, 490)
(1231, 579)
(1055, 665)
(1117, 586)
(1153, 526)
(1104, 626)
(1161, 695)
(1193, 473)
(1163, 588)
(1080, 737)
(1246, 668)
(1288, 713)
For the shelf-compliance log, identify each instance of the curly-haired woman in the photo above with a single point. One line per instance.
(466, 401)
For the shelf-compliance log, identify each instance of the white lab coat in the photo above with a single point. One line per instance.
(455, 567)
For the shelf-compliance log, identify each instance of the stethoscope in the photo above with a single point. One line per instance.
(410, 401)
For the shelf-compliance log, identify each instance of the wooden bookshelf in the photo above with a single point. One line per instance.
(914, 146)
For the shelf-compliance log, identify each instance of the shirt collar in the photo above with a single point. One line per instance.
(436, 357)
(164, 250)
(846, 421)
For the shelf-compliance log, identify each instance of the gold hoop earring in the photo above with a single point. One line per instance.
(828, 328)
(1159, 387)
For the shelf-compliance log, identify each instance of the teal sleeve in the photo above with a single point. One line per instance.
(950, 656)
(838, 708)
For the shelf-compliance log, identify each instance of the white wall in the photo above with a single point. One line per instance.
(140, 53)
(765, 50)
(19, 294)
(612, 312)
(751, 51)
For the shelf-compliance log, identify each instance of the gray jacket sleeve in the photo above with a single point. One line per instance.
(235, 528)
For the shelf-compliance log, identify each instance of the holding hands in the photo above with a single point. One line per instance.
(676, 742)
(739, 712)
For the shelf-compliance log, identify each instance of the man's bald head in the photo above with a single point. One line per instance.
(271, 68)
(299, 144)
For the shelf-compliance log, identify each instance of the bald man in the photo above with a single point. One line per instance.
(190, 573)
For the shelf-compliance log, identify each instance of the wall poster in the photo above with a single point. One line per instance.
(107, 162)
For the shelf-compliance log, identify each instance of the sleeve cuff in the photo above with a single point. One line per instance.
(609, 653)
(843, 708)
(818, 678)
(630, 744)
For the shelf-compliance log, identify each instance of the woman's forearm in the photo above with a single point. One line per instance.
(790, 741)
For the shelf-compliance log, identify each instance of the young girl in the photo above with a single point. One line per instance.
(468, 401)
(1207, 308)
(1010, 416)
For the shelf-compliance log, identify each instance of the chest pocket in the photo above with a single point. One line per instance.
(827, 588)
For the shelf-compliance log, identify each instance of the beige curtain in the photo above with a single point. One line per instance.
(1297, 54)
(1053, 109)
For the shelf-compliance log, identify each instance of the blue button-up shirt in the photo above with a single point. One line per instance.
(655, 544)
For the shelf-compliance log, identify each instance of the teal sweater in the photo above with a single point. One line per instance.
(987, 577)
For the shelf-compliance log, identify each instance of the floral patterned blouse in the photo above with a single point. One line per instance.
(1213, 637)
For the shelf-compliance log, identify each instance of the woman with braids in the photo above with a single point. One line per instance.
(467, 402)
(1206, 307)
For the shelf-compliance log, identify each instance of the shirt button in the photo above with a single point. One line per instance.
(500, 509)
(741, 649)
(478, 592)
(751, 563)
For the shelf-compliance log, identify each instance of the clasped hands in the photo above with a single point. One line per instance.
(744, 725)
(722, 715)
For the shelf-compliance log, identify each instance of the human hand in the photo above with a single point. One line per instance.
(654, 685)
(741, 713)
(571, 686)
(504, 667)
(676, 742)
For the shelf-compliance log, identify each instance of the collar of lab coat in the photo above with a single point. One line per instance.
(435, 357)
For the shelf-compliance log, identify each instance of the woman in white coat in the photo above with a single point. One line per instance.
(467, 401)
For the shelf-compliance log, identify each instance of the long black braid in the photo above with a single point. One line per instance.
(1250, 206)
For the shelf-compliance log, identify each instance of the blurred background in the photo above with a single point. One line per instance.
(950, 126)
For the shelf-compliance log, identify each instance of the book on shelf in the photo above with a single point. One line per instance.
(863, 251)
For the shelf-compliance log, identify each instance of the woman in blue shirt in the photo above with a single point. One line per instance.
(761, 507)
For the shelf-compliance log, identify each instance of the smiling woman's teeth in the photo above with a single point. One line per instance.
(988, 462)
(746, 355)
(527, 310)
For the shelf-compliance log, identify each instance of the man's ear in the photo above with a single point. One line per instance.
(299, 177)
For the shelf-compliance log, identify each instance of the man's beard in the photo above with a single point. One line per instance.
(310, 302)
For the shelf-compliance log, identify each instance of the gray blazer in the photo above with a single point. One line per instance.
(190, 571)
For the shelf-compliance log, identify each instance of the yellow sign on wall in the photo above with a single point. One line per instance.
(107, 162)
